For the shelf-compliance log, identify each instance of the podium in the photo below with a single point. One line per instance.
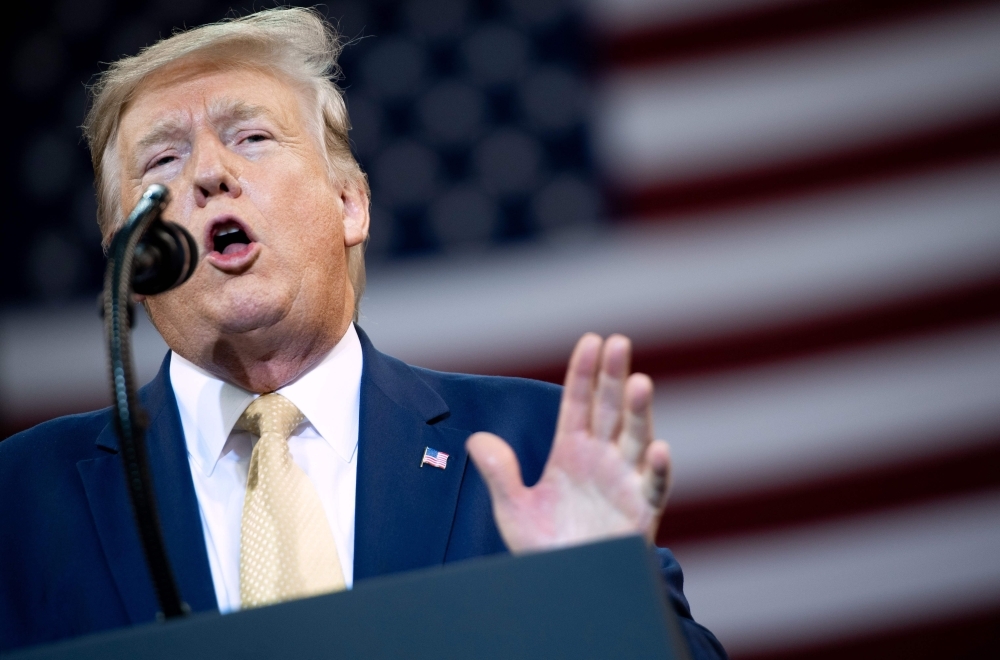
(604, 600)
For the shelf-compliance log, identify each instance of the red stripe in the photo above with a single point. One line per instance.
(967, 142)
(926, 314)
(436, 461)
(969, 636)
(765, 26)
(866, 490)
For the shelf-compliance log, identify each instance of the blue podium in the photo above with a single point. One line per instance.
(604, 600)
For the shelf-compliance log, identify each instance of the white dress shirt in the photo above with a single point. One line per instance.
(324, 446)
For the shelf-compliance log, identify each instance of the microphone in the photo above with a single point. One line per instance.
(148, 256)
(166, 255)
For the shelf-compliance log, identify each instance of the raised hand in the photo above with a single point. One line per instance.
(605, 476)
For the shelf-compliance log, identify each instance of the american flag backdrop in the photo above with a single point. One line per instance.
(793, 208)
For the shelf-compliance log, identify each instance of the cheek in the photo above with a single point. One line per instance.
(310, 225)
(297, 197)
(307, 233)
(313, 215)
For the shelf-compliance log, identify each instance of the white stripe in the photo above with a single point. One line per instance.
(752, 109)
(718, 274)
(848, 578)
(769, 426)
(54, 361)
(730, 272)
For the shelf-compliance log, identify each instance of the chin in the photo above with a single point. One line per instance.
(240, 316)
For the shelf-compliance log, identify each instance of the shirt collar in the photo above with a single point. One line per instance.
(329, 395)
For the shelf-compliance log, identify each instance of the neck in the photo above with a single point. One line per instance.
(266, 356)
(263, 365)
(267, 359)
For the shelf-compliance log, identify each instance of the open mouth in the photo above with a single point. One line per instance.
(229, 237)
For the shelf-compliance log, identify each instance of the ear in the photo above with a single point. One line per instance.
(354, 201)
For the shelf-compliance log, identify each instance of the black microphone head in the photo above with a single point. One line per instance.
(165, 257)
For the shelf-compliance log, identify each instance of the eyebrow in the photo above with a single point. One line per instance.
(221, 113)
(169, 128)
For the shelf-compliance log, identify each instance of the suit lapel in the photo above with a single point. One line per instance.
(403, 513)
(104, 482)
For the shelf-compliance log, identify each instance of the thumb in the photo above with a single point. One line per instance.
(498, 464)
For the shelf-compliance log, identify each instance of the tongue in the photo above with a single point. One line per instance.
(234, 248)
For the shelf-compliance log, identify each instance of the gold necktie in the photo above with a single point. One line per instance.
(286, 547)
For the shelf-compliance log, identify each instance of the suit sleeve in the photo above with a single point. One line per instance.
(701, 642)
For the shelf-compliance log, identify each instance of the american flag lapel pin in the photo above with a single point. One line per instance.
(438, 459)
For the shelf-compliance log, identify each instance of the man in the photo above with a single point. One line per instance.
(287, 453)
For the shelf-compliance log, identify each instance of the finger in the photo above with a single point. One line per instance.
(577, 396)
(606, 413)
(656, 474)
(498, 464)
(637, 427)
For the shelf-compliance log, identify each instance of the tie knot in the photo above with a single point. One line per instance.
(270, 413)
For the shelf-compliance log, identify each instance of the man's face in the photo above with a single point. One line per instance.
(248, 180)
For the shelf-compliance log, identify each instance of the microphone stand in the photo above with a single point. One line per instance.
(130, 419)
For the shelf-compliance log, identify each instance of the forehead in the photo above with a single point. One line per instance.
(197, 91)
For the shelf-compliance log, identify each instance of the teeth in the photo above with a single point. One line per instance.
(226, 232)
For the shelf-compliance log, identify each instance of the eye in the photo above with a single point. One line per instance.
(255, 137)
(163, 160)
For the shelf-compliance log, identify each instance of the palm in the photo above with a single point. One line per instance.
(605, 477)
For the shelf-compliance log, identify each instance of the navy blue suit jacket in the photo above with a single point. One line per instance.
(70, 557)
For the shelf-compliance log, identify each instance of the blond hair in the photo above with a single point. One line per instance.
(296, 44)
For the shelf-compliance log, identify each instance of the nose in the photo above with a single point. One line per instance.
(213, 174)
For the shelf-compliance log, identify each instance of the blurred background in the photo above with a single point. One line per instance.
(791, 206)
